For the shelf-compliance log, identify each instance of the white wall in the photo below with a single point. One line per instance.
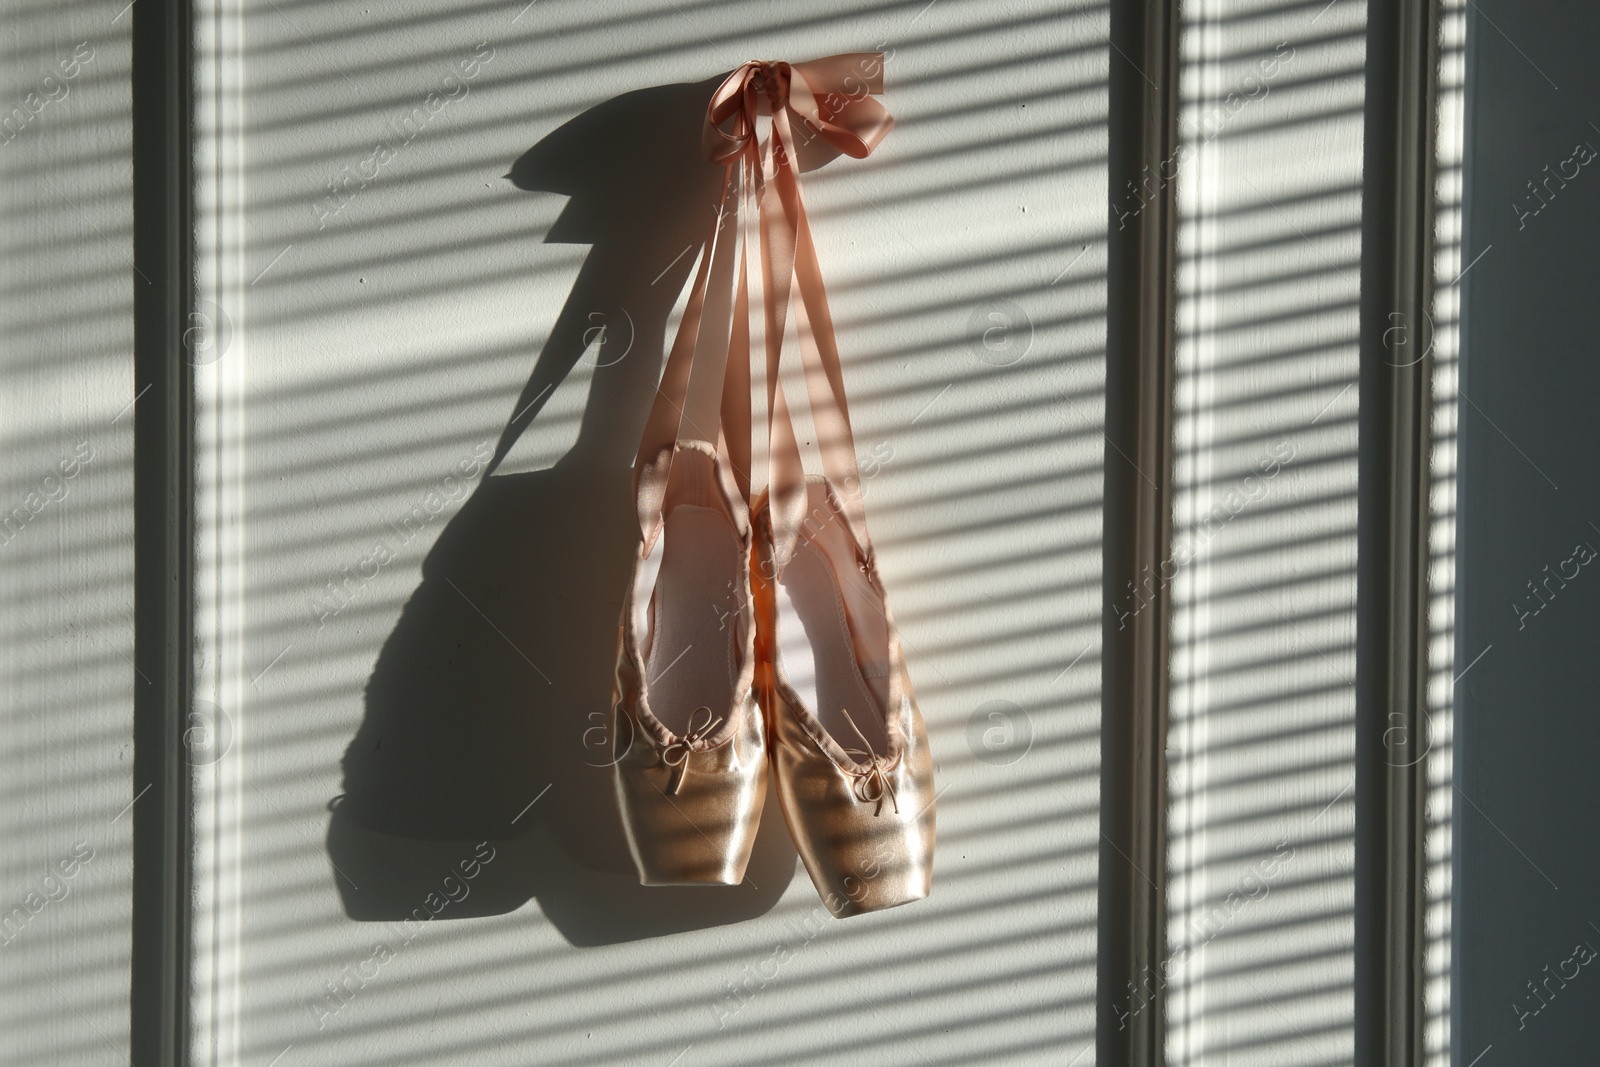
(1262, 862)
(66, 673)
(372, 351)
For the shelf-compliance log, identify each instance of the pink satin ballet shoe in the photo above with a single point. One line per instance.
(849, 748)
(689, 743)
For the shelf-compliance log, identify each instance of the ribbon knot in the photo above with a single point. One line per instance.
(676, 753)
(870, 783)
(873, 783)
(831, 97)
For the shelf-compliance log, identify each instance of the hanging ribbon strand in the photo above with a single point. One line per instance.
(831, 99)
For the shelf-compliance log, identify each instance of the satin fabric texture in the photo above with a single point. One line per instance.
(862, 814)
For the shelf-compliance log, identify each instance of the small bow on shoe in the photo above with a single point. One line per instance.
(871, 783)
(676, 754)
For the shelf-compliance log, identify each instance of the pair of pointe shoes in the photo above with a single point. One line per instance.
(731, 667)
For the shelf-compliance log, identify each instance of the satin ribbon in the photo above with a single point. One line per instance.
(676, 754)
(830, 98)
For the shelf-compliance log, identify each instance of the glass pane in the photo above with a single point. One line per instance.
(1524, 931)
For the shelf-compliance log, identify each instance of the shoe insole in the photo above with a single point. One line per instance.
(818, 652)
(691, 661)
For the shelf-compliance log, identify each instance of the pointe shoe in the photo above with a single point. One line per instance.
(849, 748)
(689, 746)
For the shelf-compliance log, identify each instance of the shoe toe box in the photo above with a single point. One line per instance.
(692, 822)
(867, 843)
